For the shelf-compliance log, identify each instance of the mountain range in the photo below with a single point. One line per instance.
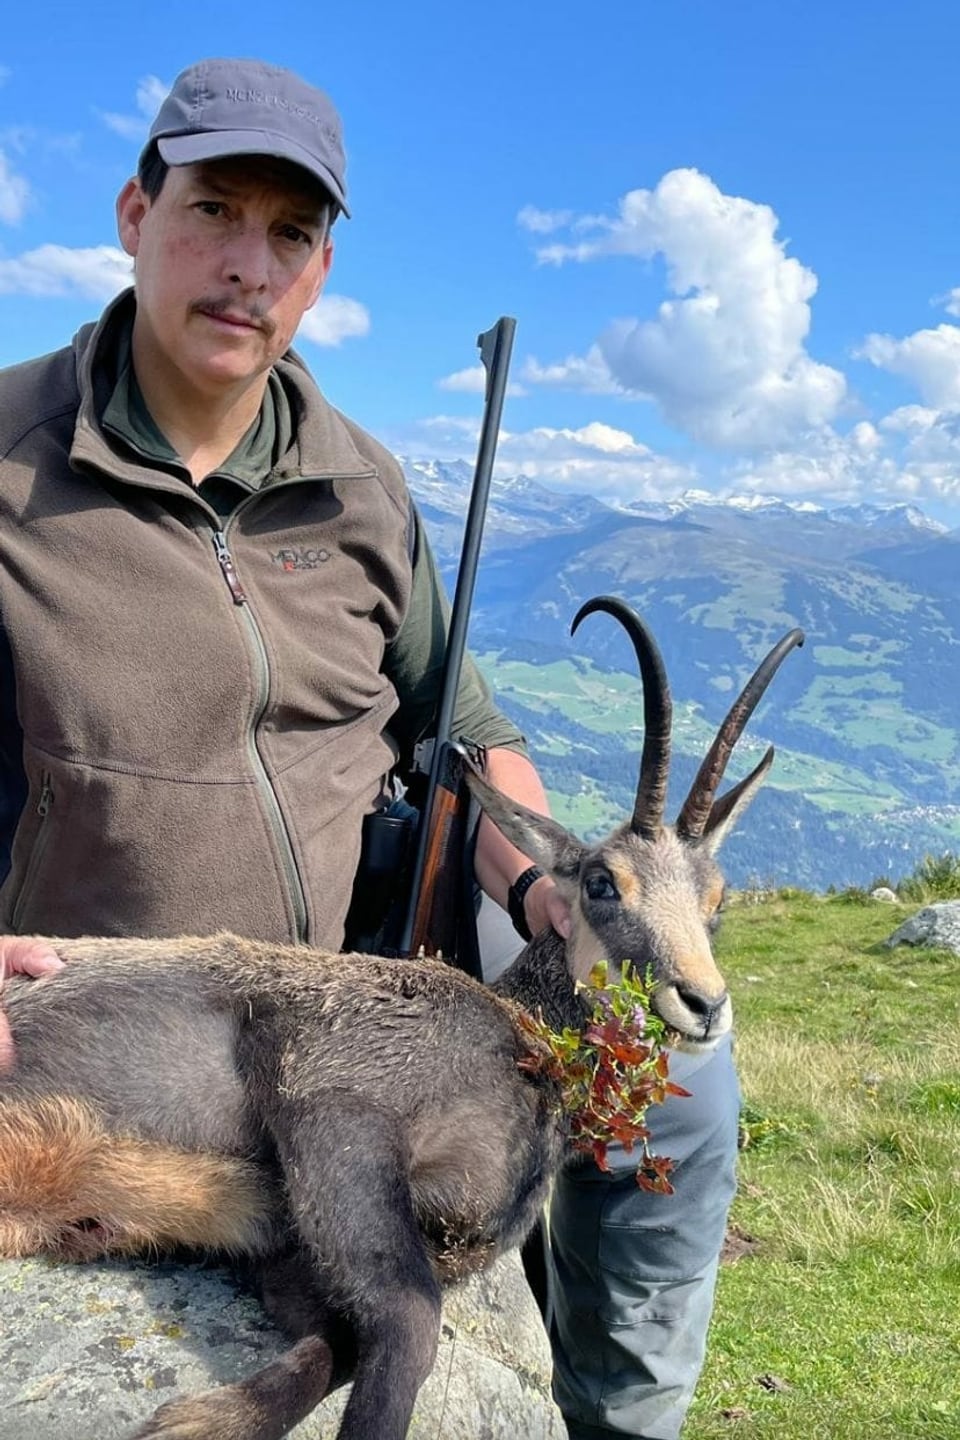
(865, 718)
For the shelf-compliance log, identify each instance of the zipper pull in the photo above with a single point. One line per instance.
(226, 565)
(46, 795)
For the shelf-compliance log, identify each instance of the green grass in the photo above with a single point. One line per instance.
(854, 708)
(586, 812)
(609, 703)
(875, 653)
(850, 1184)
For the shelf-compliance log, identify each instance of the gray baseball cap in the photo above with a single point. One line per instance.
(244, 107)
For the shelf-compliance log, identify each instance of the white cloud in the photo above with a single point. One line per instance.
(20, 139)
(587, 373)
(463, 426)
(595, 436)
(54, 270)
(911, 454)
(334, 318)
(928, 359)
(441, 437)
(595, 459)
(543, 222)
(473, 381)
(930, 446)
(128, 127)
(151, 92)
(14, 193)
(927, 436)
(829, 466)
(725, 358)
(865, 439)
(910, 419)
(466, 382)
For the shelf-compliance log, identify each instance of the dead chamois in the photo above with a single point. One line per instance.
(360, 1128)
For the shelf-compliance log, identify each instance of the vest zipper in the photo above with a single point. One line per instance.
(39, 845)
(227, 566)
(262, 668)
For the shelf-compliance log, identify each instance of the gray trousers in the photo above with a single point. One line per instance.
(633, 1274)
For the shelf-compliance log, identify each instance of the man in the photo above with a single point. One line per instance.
(221, 621)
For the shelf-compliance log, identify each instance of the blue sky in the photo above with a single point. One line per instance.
(730, 233)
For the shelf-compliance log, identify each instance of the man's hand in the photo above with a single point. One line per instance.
(543, 905)
(19, 955)
(497, 863)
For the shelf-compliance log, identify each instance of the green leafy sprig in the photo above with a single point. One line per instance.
(610, 1071)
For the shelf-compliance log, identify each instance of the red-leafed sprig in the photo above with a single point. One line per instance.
(611, 1071)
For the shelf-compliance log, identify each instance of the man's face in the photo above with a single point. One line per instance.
(228, 257)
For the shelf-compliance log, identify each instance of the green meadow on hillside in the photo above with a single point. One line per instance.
(839, 1320)
(833, 809)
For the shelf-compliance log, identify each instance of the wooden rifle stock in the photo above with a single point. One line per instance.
(437, 914)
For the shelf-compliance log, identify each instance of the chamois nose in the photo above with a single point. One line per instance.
(704, 1006)
(707, 1010)
(698, 1016)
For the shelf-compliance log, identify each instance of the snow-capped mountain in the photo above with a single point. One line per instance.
(444, 487)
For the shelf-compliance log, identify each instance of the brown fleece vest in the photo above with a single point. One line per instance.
(202, 736)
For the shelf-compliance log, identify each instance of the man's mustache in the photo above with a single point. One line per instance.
(227, 306)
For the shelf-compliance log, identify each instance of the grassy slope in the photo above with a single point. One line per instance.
(608, 702)
(867, 811)
(850, 1060)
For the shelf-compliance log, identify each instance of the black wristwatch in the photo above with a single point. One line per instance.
(515, 898)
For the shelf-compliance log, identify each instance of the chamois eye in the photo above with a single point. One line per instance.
(599, 886)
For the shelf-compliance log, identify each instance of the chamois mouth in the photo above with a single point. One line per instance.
(695, 1022)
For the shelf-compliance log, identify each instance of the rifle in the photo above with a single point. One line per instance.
(438, 886)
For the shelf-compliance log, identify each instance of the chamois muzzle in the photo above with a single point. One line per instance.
(697, 1019)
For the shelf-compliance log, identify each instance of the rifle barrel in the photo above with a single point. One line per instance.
(496, 346)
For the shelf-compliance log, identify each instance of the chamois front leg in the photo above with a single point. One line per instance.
(346, 1167)
(270, 1403)
(265, 1407)
(368, 1287)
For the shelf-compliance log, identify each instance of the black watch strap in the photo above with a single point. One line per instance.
(515, 898)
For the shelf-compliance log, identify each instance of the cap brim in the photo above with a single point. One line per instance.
(219, 144)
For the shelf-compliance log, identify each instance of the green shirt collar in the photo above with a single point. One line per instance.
(126, 415)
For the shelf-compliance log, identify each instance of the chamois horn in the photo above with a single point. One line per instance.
(695, 813)
(657, 714)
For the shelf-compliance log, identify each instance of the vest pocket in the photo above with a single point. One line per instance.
(43, 807)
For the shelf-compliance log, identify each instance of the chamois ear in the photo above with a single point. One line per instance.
(544, 840)
(725, 812)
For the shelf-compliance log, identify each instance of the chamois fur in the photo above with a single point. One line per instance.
(362, 1129)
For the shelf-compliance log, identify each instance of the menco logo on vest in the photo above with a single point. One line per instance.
(308, 559)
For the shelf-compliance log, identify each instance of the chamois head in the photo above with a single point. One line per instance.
(650, 894)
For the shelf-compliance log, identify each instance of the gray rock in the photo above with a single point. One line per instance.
(87, 1352)
(884, 893)
(935, 925)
